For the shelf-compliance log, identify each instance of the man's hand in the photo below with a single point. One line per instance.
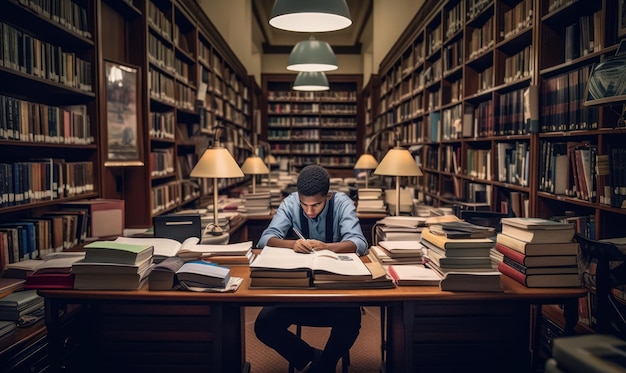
(307, 246)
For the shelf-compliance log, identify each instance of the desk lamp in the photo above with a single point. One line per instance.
(254, 166)
(216, 162)
(366, 162)
(398, 162)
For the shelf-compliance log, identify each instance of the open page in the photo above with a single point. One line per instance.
(163, 247)
(323, 261)
(204, 250)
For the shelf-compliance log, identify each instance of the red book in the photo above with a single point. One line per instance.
(540, 280)
(536, 260)
(50, 281)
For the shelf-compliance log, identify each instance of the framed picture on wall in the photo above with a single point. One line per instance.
(123, 138)
(621, 18)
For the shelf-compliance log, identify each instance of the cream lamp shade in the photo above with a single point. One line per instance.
(398, 162)
(254, 166)
(216, 163)
(310, 15)
(366, 162)
(311, 81)
(312, 55)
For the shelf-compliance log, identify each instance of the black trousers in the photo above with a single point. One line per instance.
(272, 323)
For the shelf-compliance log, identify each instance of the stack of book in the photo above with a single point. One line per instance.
(399, 252)
(538, 252)
(400, 228)
(229, 254)
(18, 304)
(197, 275)
(256, 204)
(370, 200)
(54, 271)
(113, 265)
(463, 261)
(273, 190)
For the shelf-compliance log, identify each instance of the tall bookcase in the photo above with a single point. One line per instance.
(191, 84)
(493, 92)
(458, 81)
(323, 128)
(48, 106)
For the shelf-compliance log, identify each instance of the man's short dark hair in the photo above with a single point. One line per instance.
(313, 180)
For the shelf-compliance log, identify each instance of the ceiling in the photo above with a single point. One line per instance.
(346, 41)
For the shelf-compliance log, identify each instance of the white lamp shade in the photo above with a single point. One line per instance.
(311, 81)
(254, 166)
(271, 160)
(310, 15)
(216, 163)
(312, 55)
(398, 162)
(366, 162)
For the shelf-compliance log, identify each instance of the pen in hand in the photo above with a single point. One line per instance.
(302, 237)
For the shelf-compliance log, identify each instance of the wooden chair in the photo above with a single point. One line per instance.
(610, 272)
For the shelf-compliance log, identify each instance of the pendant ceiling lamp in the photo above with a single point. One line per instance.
(312, 55)
(310, 15)
(311, 81)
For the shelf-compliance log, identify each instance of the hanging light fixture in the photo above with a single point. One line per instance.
(312, 55)
(310, 15)
(311, 81)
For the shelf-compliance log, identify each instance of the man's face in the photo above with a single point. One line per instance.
(313, 205)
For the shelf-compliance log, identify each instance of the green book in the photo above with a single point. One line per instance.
(116, 252)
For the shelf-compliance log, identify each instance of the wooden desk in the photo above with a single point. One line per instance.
(178, 330)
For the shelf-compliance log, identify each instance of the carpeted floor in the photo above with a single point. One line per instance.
(365, 354)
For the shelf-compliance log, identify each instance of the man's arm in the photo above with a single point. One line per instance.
(349, 227)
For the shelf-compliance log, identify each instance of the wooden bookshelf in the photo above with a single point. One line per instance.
(314, 127)
(472, 66)
(191, 82)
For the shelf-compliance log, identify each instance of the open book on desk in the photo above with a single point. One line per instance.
(322, 266)
(190, 249)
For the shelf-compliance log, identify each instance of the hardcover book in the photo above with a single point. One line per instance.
(199, 273)
(539, 235)
(117, 252)
(413, 275)
(471, 281)
(163, 275)
(445, 242)
(540, 280)
(536, 260)
(538, 248)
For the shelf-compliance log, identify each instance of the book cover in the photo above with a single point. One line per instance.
(542, 249)
(453, 252)
(117, 252)
(539, 235)
(539, 270)
(413, 275)
(471, 281)
(535, 223)
(83, 266)
(445, 242)
(397, 249)
(163, 275)
(199, 273)
(50, 281)
(117, 281)
(536, 260)
(540, 280)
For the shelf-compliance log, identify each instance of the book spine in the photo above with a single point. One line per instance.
(510, 253)
(512, 273)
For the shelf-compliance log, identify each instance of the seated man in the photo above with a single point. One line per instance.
(328, 221)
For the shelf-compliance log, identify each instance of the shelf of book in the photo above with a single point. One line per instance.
(314, 127)
(490, 94)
